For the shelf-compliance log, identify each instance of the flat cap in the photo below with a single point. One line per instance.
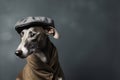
(32, 22)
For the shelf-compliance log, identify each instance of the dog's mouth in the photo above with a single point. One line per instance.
(23, 55)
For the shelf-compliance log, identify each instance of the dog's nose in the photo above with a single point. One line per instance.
(18, 52)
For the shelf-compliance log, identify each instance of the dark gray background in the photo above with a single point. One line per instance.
(89, 48)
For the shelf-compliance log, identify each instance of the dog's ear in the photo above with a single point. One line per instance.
(52, 31)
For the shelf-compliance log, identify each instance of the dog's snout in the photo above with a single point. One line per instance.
(18, 52)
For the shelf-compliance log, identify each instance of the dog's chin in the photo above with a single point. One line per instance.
(22, 57)
(25, 56)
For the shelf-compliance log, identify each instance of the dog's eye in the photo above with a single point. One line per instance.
(32, 34)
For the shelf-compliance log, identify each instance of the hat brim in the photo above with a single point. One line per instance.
(21, 27)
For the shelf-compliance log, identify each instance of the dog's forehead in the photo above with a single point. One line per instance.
(27, 30)
(36, 29)
(33, 29)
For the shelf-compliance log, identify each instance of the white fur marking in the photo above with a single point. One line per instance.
(21, 47)
(22, 44)
(43, 57)
(60, 78)
(25, 51)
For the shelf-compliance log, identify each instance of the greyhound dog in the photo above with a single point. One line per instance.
(41, 54)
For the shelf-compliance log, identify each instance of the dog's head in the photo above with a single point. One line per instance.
(34, 39)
